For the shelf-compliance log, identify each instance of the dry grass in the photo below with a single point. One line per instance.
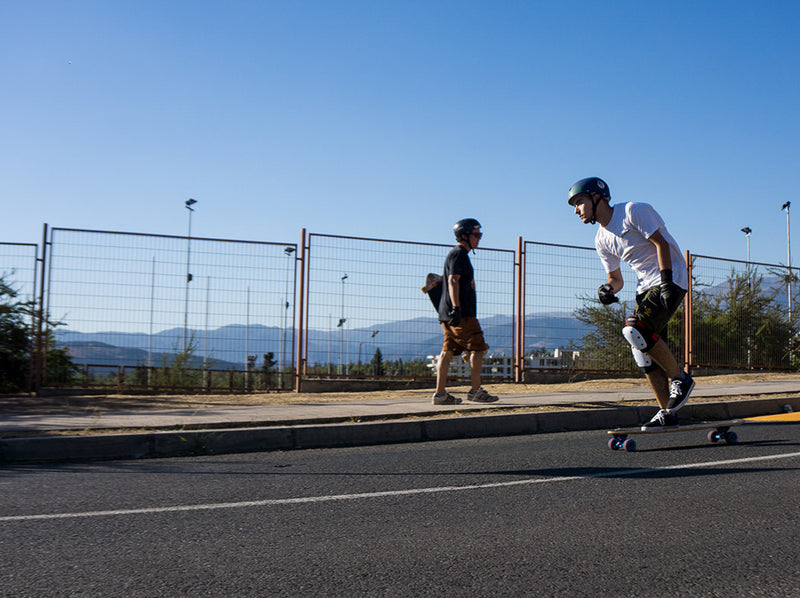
(16, 405)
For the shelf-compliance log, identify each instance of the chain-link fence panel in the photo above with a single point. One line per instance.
(741, 314)
(367, 316)
(173, 312)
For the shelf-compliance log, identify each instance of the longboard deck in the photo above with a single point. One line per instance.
(433, 288)
(727, 423)
(718, 430)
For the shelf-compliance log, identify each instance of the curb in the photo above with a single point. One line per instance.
(149, 445)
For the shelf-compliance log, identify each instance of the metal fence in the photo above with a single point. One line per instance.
(366, 315)
(169, 311)
(564, 327)
(184, 313)
(18, 268)
(741, 314)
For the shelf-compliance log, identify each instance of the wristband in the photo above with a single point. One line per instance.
(666, 275)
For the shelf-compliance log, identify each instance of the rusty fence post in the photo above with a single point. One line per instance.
(301, 317)
(39, 359)
(687, 318)
(519, 328)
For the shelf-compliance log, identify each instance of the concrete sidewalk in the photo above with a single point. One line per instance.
(140, 434)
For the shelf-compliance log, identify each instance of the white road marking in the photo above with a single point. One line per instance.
(407, 492)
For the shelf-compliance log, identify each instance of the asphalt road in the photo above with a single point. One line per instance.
(542, 515)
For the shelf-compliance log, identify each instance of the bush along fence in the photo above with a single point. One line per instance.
(143, 312)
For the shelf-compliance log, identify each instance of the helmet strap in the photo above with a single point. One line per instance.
(595, 202)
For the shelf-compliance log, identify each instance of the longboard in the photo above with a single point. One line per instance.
(433, 288)
(718, 430)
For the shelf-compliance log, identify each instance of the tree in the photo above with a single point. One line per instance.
(17, 339)
(377, 363)
(267, 364)
(742, 326)
(603, 345)
(736, 325)
(15, 342)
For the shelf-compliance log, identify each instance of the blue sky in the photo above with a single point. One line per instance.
(394, 119)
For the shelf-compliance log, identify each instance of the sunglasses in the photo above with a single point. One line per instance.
(479, 235)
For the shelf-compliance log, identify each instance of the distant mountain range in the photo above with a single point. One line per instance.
(226, 347)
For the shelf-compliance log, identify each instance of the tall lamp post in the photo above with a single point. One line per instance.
(189, 203)
(342, 320)
(747, 230)
(374, 332)
(282, 367)
(788, 259)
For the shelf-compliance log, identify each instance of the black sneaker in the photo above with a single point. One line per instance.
(445, 399)
(679, 391)
(662, 419)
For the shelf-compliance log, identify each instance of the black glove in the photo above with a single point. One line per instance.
(670, 292)
(454, 316)
(606, 294)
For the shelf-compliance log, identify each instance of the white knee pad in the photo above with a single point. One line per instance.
(635, 339)
(641, 341)
(641, 358)
(638, 336)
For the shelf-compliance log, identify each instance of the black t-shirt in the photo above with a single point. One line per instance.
(457, 262)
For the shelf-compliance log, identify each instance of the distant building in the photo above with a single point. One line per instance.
(502, 366)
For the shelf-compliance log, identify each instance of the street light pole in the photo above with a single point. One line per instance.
(342, 320)
(282, 366)
(747, 230)
(789, 258)
(189, 203)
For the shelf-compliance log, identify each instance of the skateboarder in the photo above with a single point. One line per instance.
(635, 233)
(458, 316)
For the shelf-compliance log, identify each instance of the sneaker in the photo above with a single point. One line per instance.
(445, 399)
(480, 396)
(679, 391)
(662, 419)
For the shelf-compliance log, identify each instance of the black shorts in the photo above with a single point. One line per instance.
(651, 313)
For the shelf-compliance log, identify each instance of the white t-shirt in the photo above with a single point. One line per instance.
(625, 238)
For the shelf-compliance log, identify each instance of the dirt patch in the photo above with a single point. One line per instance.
(72, 404)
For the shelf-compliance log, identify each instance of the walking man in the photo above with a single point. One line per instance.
(635, 233)
(458, 316)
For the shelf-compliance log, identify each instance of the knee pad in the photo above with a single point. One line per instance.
(638, 336)
(643, 360)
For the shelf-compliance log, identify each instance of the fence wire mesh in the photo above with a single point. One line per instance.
(18, 268)
(740, 314)
(366, 312)
(194, 313)
(566, 327)
(181, 311)
(18, 272)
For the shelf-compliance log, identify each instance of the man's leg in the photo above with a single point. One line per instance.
(441, 372)
(478, 394)
(661, 354)
(660, 384)
(475, 365)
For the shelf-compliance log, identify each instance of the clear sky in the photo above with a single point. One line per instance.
(393, 119)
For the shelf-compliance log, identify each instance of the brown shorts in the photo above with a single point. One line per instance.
(467, 336)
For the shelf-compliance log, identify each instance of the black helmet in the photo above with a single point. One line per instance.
(590, 185)
(464, 227)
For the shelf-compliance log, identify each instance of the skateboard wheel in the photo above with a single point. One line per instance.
(613, 444)
(731, 437)
(713, 435)
(629, 445)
